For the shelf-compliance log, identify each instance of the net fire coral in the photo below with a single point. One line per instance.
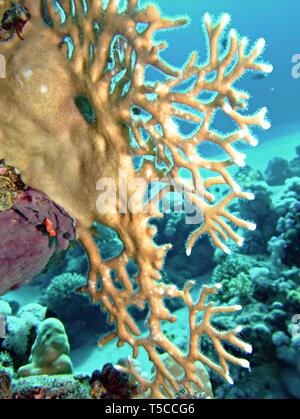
(101, 51)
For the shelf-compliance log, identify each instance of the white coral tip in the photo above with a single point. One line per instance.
(188, 251)
(236, 187)
(253, 141)
(261, 43)
(266, 125)
(238, 308)
(263, 111)
(248, 348)
(240, 159)
(238, 329)
(227, 250)
(207, 19)
(232, 33)
(267, 68)
(245, 363)
(240, 241)
(226, 19)
(227, 108)
(251, 226)
(229, 380)
(250, 196)
(244, 41)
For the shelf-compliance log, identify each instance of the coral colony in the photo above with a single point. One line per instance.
(85, 128)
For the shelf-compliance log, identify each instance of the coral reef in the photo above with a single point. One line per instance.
(21, 329)
(50, 351)
(112, 384)
(295, 163)
(5, 385)
(267, 323)
(258, 210)
(288, 225)
(105, 60)
(278, 171)
(49, 387)
(233, 275)
(61, 297)
(62, 301)
(109, 383)
(270, 297)
(173, 229)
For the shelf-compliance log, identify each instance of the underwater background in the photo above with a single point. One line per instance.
(263, 275)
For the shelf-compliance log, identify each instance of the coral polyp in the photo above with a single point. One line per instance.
(101, 52)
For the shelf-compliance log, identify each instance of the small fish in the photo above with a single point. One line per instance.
(260, 76)
(49, 227)
(107, 339)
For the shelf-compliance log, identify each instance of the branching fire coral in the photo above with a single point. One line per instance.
(101, 52)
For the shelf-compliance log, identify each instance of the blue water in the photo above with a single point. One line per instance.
(276, 21)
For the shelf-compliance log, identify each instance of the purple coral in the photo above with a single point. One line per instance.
(26, 245)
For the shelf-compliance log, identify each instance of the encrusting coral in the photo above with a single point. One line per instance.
(101, 53)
